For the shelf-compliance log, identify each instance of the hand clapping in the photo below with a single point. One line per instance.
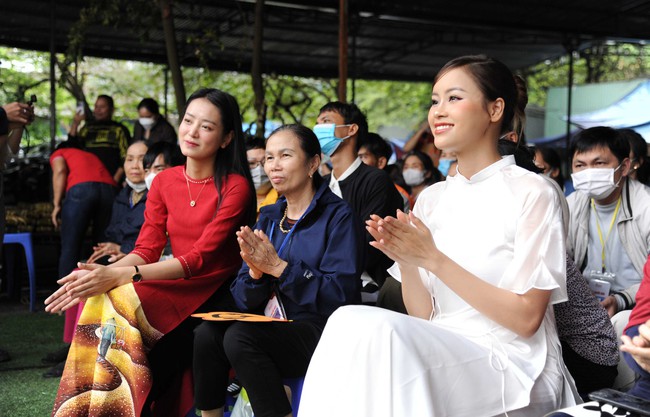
(404, 239)
(258, 252)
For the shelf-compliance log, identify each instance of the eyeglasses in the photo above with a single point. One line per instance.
(254, 163)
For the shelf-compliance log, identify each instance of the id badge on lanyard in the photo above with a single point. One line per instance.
(274, 307)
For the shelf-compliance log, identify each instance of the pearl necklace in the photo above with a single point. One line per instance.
(284, 218)
(188, 180)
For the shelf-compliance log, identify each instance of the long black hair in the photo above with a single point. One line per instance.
(231, 159)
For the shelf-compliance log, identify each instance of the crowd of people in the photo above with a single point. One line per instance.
(457, 281)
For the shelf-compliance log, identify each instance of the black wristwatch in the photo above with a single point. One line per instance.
(137, 276)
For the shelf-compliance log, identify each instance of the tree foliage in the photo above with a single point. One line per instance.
(602, 62)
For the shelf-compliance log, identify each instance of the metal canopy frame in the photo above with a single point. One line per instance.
(403, 40)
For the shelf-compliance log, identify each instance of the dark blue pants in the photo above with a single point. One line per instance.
(84, 203)
(642, 387)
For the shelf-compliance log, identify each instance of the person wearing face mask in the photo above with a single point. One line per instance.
(447, 164)
(159, 157)
(376, 152)
(266, 194)
(340, 129)
(550, 162)
(127, 216)
(151, 126)
(609, 229)
(419, 172)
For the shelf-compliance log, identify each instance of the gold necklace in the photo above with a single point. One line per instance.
(283, 220)
(187, 181)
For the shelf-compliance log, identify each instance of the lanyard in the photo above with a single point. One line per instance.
(611, 226)
(288, 236)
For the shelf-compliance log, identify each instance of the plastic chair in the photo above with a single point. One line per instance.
(295, 384)
(24, 239)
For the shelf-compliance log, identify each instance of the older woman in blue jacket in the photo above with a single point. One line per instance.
(302, 261)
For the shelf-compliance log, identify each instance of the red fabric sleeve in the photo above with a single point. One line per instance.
(208, 249)
(641, 312)
(153, 234)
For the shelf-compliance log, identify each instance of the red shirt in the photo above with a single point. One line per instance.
(202, 239)
(641, 311)
(82, 167)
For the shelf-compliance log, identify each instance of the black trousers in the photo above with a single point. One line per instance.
(588, 376)
(173, 353)
(262, 354)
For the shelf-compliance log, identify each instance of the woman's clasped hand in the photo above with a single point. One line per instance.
(405, 239)
(258, 252)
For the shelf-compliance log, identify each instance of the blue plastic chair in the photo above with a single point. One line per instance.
(24, 239)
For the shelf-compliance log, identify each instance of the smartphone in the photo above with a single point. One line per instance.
(622, 400)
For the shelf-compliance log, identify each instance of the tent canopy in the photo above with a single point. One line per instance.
(629, 112)
(406, 40)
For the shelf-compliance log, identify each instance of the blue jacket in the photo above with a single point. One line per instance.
(126, 221)
(325, 257)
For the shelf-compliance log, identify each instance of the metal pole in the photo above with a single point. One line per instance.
(343, 49)
(354, 67)
(52, 76)
(568, 118)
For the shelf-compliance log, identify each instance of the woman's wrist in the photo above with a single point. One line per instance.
(434, 263)
(279, 268)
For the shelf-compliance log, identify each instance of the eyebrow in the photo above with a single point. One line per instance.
(450, 90)
(280, 151)
(203, 120)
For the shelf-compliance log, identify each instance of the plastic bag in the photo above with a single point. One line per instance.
(242, 407)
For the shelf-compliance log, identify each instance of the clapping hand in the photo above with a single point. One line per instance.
(258, 252)
(405, 238)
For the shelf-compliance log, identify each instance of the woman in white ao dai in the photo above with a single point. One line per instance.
(481, 259)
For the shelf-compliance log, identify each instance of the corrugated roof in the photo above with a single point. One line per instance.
(406, 40)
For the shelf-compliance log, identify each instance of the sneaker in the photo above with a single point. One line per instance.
(57, 356)
(234, 387)
(55, 372)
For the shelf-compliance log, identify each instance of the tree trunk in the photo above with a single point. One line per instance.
(172, 55)
(256, 70)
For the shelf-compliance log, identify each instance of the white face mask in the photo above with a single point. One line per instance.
(148, 180)
(147, 122)
(259, 176)
(597, 183)
(137, 187)
(413, 176)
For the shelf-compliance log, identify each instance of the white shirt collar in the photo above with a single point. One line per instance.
(334, 182)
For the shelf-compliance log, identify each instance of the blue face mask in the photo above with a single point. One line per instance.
(325, 134)
(444, 164)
